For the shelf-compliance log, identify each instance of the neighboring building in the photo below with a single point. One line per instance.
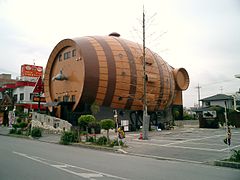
(5, 79)
(5, 76)
(21, 90)
(211, 114)
(220, 100)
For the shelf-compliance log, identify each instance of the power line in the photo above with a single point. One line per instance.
(217, 82)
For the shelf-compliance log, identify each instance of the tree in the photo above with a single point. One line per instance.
(107, 124)
(85, 121)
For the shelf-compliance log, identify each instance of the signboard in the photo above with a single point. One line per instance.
(39, 99)
(125, 124)
(38, 86)
(31, 70)
(209, 114)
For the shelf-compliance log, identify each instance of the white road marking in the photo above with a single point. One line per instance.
(196, 148)
(208, 144)
(169, 158)
(231, 147)
(174, 144)
(190, 140)
(181, 147)
(90, 174)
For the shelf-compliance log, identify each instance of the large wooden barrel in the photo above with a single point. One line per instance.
(108, 70)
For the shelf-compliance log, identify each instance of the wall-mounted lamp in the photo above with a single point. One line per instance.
(60, 76)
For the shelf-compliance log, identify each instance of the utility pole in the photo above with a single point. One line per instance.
(198, 87)
(145, 126)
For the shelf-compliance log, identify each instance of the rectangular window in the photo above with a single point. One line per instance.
(207, 103)
(73, 98)
(65, 98)
(31, 96)
(67, 55)
(60, 57)
(21, 96)
(73, 52)
(59, 99)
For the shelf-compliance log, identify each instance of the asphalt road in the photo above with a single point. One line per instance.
(25, 159)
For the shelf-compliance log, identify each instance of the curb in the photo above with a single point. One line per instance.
(228, 164)
(102, 148)
(92, 146)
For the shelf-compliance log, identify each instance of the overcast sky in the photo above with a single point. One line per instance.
(203, 36)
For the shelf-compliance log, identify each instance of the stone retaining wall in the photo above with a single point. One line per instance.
(49, 123)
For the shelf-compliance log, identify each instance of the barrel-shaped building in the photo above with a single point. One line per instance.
(108, 71)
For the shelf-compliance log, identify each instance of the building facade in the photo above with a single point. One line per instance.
(108, 71)
(223, 100)
(21, 89)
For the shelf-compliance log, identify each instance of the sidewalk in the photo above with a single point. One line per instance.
(50, 138)
(4, 130)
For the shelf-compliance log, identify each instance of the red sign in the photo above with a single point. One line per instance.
(31, 70)
(38, 86)
(39, 99)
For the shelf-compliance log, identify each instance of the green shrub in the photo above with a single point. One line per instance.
(102, 140)
(235, 156)
(15, 126)
(85, 120)
(94, 127)
(97, 128)
(114, 143)
(13, 131)
(19, 120)
(107, 124)
(23, 125)
(188, 116)
(19, 132)
(91, 139)
(121, 143)
(68, 137)
(36, 132)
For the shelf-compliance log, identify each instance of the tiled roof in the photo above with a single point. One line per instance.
(218, 97)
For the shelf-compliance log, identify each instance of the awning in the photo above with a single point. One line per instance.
(32, 106)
